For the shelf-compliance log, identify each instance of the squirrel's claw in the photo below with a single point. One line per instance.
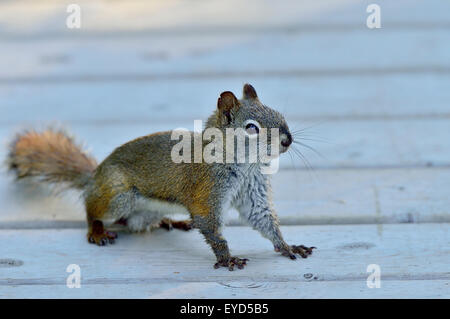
(107, 237)
(290, 251)
(166, 223)
(231, 262)
(303, 250)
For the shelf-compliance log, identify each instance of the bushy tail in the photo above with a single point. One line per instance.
(50, 156)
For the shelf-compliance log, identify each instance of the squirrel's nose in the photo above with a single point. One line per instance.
(286, 139)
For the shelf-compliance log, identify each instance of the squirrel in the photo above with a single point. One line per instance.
(139, 185)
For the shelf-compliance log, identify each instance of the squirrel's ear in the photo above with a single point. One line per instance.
(249, 92)
(227, 103)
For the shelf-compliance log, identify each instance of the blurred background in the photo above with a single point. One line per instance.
(375, 103)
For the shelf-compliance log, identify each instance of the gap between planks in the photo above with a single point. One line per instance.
(384, 196)
(402, 250)
(211, 75)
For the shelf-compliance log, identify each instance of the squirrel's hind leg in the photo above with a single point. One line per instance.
(170, 224)
(107, 206)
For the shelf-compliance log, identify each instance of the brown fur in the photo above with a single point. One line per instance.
(145, 165)
(52, 156)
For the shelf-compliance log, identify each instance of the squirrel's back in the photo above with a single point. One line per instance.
(145, 166)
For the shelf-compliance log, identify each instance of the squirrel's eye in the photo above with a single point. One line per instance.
(251, 129)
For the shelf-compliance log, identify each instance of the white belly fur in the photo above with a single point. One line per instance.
(149, 212)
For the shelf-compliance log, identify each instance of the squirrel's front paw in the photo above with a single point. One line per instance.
(231, 262)
(102, 239)
(290, 251)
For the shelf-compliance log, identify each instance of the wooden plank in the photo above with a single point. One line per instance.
(74, 55)
(185, 57)
(170, 264)
(348, 98)
(324, 197)
(392, 289)
(362, 196)
(342, 144)
(383, 112)
(137, 15)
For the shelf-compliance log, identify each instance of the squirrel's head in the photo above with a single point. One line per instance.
(252, 116)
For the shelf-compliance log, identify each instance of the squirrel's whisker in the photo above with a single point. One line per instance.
(310, 148)
(144, 181)
(302, 157)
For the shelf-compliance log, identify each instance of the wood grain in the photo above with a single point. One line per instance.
(157, 265)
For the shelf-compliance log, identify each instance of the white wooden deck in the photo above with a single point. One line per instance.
(378, 98)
